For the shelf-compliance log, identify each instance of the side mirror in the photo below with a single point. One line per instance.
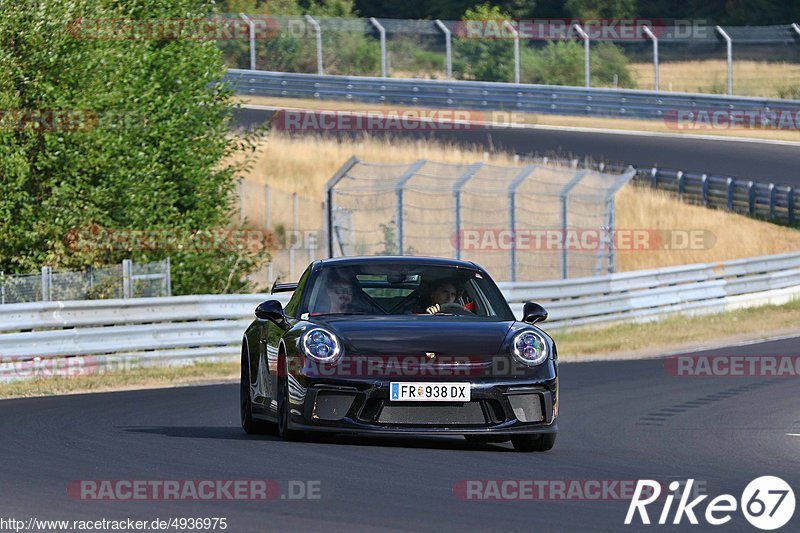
(271, 310)
(533, 313)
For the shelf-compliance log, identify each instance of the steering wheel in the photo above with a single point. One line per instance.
(454, 309)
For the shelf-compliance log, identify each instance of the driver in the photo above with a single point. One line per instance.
(443, 292)
(340, 294)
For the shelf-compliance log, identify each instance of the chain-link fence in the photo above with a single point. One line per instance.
(681, 56)
(126, 280)
(530, 223)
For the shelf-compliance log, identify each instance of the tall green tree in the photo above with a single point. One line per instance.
(147, 151)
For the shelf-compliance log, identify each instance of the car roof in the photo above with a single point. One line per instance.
(398, 260)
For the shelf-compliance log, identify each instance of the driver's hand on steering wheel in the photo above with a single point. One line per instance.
(432, 310)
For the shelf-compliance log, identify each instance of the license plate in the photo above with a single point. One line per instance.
(429, 392)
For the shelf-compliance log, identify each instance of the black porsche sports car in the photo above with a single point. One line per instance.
(399, 345)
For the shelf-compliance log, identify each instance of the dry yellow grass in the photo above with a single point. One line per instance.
(305, 164)
(750, 78)
(528, 118)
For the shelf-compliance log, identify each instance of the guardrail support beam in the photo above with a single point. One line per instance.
(47, 283)
(790, 205)
(729, 44)
(448, 49)
(382, 32)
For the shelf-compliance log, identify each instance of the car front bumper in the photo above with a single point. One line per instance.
(496, 407)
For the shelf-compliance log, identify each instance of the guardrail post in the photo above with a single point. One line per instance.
(2, 287)
(515, 33)
(681, 184)
(751, 197)
(318, 34)
(459, 184)
(729, 44)
(127, 281)
(382, 32)
(655, 55)
(729, 198)
(47, 280)
(796, 28)
(448, 50)
(654, 178)
(790, 206)
(772, 192)
(251, 29)
(586, 68)
(704, 182)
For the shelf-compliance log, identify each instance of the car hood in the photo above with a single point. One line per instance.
(416, 335)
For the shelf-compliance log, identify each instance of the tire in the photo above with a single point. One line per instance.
(534, 443)
(251, 425)
(283, 405)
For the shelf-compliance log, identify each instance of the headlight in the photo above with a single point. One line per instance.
(321, 345)
(530, 348)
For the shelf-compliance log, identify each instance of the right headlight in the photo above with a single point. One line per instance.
(530, 348)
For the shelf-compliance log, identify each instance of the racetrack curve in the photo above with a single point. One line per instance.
(771, 162)
(619, 421)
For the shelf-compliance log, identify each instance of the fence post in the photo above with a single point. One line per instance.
(169, 277)
(681, 183)
(127, 289)
(448, 50)
(459, 184)
(655, 55)
(399, 186)
(586, 68)
(751, 197)
(512, 218)
(729, 44)
(341, 173)
(790, 201)
(730, 194)
(294, 236)
(515, 34)
(382, 32)
(252, 33)
(47, 279)
(241, 198)
(704, 181)
(318, 34)
(772, 192)
(564, 196)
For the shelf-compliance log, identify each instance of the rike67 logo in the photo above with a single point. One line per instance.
(767, 503)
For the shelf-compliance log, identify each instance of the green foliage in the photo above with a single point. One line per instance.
(152, 158)
(594, 9)
(484, 59)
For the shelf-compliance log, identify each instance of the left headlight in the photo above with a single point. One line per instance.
(321, 345)
(530, 348)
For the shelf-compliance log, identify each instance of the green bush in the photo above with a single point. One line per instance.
(562, 63)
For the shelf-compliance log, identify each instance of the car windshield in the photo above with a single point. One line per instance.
(408, 289)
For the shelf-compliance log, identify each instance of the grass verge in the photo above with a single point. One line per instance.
(624, 341)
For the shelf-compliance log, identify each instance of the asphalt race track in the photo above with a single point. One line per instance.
(619, 421)
(778, 163)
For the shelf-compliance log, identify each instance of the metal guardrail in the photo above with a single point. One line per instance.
(476, 95)
(90, 335)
